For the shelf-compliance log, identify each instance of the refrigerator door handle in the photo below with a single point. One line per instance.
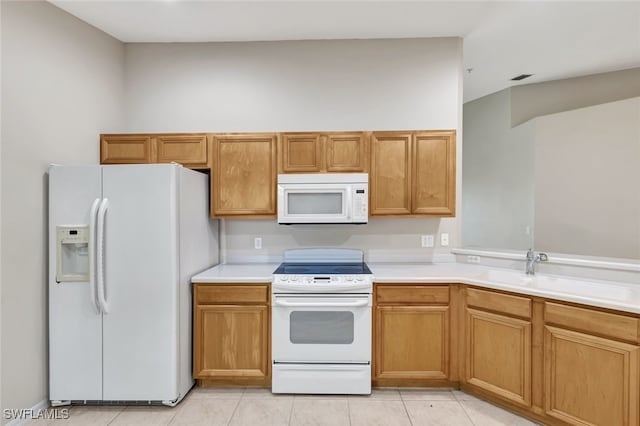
(102, 213)
(92, 254)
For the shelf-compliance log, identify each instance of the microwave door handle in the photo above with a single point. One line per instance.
(348, 202)
(356, 304)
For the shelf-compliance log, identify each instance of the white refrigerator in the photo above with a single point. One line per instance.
(124, 241)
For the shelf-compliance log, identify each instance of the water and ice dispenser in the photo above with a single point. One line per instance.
(72, 243)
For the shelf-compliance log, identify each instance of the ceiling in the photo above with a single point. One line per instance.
(551, 40)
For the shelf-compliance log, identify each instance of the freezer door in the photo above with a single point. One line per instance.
(140, 328)
(75, 325)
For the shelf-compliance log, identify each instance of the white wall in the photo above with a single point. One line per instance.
(498, 178)
(62, 84)
(587, 167)
(302, 85)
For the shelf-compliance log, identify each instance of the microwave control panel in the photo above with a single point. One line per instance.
(360, 201)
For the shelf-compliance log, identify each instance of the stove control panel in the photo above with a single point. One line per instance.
(323, 279)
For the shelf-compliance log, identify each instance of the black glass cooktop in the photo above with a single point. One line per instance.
(323, 268)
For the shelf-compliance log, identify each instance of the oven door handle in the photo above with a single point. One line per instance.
(356, 304)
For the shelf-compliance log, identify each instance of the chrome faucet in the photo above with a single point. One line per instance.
(532, 259)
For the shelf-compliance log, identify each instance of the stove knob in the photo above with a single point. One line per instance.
(359, 279)
(349, 278)
(293, 279)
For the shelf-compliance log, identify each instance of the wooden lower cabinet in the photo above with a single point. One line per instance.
(231, 334)
(559, 363)
(411, 334)
(412, 342)
(498, 355)
(590, 380)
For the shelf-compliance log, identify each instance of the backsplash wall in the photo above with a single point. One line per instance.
(382, 239)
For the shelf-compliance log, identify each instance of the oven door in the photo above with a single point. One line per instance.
(314, 203)
(321, 328)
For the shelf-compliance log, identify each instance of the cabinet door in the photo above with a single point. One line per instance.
(231, 342)
(498, 355)
(126, 149)
(346, 152)
(243, 175)
(434, 173)
(412, 342)
(189, 150)
(590, 380)
(301, 152)
(390, 179)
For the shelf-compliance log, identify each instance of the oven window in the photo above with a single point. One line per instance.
(314, 203)
(313, 327)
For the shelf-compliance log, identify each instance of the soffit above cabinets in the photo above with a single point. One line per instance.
(551, 40)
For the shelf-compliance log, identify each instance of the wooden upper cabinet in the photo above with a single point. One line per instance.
(301, 152)
(434, 173)
(189, 149)
(346, 152)
(126, 149)
(413, 173)
(390, 178)
(335, 152)
(243, 175)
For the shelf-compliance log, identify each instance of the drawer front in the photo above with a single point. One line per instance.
(183, 149)
(125, 149)
(498, 302)
(603, 323)
(414, 294)
(216, 294)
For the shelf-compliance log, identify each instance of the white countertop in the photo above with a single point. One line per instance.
(237, 273)
(605, 294)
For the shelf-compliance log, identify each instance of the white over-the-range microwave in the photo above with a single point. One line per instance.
(323, 198)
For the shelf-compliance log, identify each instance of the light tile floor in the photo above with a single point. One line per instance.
(257, 407)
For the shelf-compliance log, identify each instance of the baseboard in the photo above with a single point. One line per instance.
(42, 405)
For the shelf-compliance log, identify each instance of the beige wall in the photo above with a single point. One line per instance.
(532, 100)
(587, 167)
(303, 85)
(62, 84)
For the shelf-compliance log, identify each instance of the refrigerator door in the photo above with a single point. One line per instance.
(75, 325)
(140, 328)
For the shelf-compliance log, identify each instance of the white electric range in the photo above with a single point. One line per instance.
(321, 322)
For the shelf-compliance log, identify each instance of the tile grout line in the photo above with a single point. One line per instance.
(348, 410)
(293, 403)
(116, 416)
(405, 408)
(466, 412)
(174, 416)
(233, 413)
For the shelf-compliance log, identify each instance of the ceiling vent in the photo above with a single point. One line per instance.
(521, 77)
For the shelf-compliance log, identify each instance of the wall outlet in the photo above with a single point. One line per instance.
(473, 259)
(426, 241)
(444, 239)
(257, 243)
